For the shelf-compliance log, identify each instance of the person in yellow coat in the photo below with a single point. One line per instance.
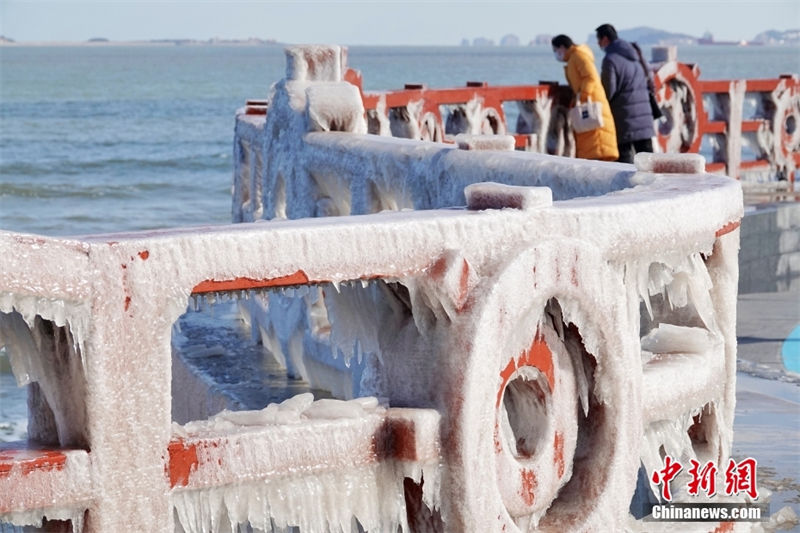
(582, 76)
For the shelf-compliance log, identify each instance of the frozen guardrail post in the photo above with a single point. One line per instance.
(316, 63)
(88, 308)
(332, 104)
(515, 387)
(701, 345)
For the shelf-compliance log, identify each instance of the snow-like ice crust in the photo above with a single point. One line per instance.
(423, 309)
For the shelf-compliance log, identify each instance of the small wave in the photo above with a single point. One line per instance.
(65, 190)
(114, 166)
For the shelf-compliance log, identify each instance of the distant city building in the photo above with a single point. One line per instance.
(482, 41)
(542, 39)
(465, 42)
(509, 40)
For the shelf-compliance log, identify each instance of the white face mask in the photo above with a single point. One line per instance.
(559, 53)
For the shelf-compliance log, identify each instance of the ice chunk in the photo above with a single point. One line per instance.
(485, 142)
(490, 195)
(783, 520)
(335, 409)
(293, 410)
(668, 338)
(670, 163)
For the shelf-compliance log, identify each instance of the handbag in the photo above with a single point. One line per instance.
(654, 107)
(586, 116)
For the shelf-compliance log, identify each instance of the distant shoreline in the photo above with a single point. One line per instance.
(90, 44)
(271, 43)
(160, 42)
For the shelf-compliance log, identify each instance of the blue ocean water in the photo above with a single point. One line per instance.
(113, 138)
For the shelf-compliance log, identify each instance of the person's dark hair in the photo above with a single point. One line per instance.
(606, 30)
(561, 40)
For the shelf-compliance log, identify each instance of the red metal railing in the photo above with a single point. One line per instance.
(772, 135)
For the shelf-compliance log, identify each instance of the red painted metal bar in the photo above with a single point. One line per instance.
(33, 477)
(668, 82)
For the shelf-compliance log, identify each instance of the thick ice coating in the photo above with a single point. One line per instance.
(511, 349)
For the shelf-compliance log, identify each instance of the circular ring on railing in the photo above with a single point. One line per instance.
(787, 127)
(518, 444)
(536, 426)
(679, 96)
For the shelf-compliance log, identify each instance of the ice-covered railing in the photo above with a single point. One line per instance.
(501, 357)
(746, 128)
(510, 336)
(673, 297)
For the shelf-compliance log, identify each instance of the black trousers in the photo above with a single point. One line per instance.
(628, 150)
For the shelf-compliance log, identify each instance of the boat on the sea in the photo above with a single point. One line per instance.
(708, 39)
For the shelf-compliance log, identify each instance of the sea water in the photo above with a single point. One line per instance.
(112, 138)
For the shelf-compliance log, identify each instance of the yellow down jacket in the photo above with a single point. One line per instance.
(583, 78)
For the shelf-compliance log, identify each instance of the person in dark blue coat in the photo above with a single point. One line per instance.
(625, 83)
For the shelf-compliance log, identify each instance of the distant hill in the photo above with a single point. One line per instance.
(778, 37)
(649, 36)
(646, 35)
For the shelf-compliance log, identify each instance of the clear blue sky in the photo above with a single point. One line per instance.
(381, 22)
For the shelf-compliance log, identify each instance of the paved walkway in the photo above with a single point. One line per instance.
(764, 321)
(767, 424)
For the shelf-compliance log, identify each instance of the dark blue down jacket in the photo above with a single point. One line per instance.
(626, 88)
